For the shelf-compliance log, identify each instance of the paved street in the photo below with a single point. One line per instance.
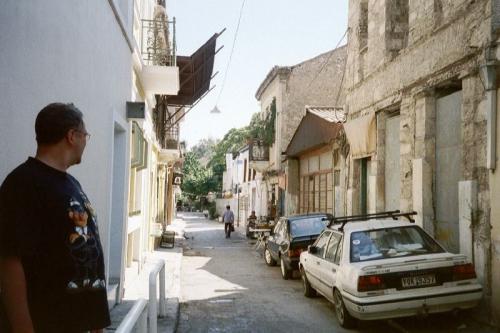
(227, 287)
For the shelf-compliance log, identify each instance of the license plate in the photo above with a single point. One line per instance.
(418, 281)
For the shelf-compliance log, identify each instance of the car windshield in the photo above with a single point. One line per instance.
(391, 243)
(307, 226)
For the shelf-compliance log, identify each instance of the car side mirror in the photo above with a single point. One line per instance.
(312, 249)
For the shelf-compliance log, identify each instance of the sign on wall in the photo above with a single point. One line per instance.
(258, 151)
(177, 179)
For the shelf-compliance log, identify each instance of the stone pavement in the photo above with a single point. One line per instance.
(137, 286)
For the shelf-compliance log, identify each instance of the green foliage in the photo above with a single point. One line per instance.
(204, 150)
(232, 142)
(205, 163)
(264, 129)
(197, 179)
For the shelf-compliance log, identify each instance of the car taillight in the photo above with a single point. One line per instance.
(294, 252)
(463, 272)
(370, 283)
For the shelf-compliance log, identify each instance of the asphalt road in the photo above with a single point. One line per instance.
(227, 287)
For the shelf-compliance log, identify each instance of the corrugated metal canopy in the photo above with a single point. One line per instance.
(328, 113)
(195, 73)
(317, 128)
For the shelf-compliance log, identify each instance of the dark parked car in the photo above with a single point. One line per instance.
(291, 236)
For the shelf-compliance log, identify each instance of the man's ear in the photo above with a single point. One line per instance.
(70, 136)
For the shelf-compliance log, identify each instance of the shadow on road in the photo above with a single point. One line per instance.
(231, 289)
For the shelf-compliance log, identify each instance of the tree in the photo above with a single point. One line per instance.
(205, 163)
(204, 150)
(196, 179)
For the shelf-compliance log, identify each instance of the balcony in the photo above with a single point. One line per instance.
(169, 142)
(171, 139)
(159, 73)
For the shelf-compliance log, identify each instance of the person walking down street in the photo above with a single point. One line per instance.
(51, 258)
(228, 219)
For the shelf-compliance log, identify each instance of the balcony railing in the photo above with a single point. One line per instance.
(158, 44)
(172, 138)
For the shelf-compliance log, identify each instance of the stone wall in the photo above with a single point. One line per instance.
(445, 45)
(315, 82)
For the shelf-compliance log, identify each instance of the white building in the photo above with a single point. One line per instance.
(80, 52)
(95, 55)
(242, 186)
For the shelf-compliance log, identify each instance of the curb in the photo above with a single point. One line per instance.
(170, 322)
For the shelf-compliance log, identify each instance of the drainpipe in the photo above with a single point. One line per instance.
(488, 75)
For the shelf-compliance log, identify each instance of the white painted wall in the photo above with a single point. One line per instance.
(68, 51)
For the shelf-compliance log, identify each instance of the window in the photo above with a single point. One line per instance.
(397, 25)
(307, 226)
(363, 25)
(135, 191)
(316, 183)
(316, 193)
(321, 242)
(331, 250)
(245, 168)
(338, 255)
(138, 162)
(390, 243)
(139, 148)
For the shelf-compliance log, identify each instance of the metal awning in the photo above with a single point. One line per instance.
(195, 73)
(317, 128)
(362, 135)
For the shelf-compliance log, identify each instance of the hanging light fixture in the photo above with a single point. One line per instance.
(215, 110)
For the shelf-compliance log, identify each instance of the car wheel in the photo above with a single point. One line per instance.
(269, 258)
(343, 316)
(285, 272)
(309, 291)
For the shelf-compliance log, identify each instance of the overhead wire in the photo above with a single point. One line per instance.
(327, 60)
(232, 51)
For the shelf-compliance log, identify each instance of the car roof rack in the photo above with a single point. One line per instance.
(394, 214)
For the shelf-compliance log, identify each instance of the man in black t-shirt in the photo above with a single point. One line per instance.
(51, 259)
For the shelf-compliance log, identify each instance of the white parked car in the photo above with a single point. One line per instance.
(381, 266)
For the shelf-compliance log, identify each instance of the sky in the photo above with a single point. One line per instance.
(272, 32)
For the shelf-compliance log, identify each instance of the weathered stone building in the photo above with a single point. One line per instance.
(421, 76)
(287, 90)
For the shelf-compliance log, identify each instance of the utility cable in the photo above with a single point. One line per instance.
(327, 60)
(232, 50)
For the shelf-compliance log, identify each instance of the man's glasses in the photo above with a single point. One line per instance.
(87, 135)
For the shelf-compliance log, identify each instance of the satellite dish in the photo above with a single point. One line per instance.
(215, 110)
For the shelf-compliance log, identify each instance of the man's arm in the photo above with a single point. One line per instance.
(13, 284)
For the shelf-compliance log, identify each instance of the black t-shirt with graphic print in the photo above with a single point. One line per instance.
(47, 221)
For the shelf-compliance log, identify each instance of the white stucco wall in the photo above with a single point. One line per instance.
(68, 51)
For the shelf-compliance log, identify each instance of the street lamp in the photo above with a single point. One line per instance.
(215, 110)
